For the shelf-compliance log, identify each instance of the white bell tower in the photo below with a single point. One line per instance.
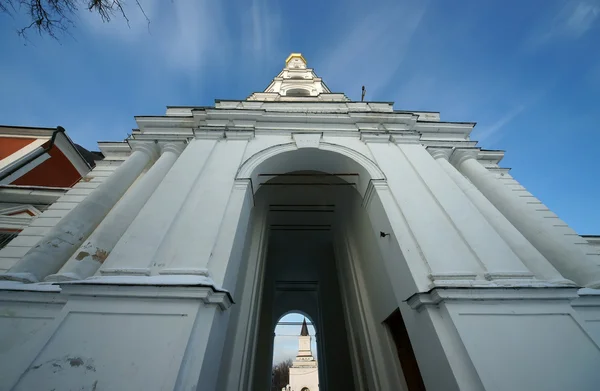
(304, 351)
(297, 82)
(304, 373)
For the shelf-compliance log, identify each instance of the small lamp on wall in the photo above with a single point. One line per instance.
(383, 234)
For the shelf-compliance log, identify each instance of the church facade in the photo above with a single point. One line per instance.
(422, 263)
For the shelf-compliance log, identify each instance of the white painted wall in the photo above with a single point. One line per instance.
(467, 333)
(301, 378)
(368, 298)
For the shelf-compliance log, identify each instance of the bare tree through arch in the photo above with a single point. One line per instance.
(281, 375)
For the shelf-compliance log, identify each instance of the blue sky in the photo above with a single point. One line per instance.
(528, 72)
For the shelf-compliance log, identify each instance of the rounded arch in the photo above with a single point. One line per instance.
(296, 90)
(328, 157)
(283, 314)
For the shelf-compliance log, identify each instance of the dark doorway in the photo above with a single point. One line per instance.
(406, 355)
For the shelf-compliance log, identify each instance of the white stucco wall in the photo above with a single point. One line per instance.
(471, 333)
(301, 378)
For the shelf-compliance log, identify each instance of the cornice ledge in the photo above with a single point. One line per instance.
(588, 297)
(239, 134)
(438, 143)
(589, 292)
(494, 156)
(15, 222)
(162, 286)
(32, 296)
(164, 121)
(438, 295)
(406, 138)
(508, 275)
(20, 286)
(209, 134)
(375, 137)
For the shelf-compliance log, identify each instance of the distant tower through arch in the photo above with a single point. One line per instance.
(304, 372)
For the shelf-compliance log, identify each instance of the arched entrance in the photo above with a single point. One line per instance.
(314, 249)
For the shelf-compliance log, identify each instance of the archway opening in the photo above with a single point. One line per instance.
(302, 209)
(315, 250)
(295, 363)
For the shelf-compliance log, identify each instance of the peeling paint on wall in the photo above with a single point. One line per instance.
(65, 363)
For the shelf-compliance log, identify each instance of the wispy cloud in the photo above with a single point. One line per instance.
(184, 35)
(373, 48)
(493, 132)
(486, 133)
(572, 21)
(195, 35)
(581, 19)
(260, 32)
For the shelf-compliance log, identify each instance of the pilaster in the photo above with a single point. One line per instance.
(136, 247)
(435, 238)
(226, 256)
(190, 242)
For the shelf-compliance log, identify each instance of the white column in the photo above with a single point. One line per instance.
(437, 240)
(486, 245)
(528, 254)
(55, 248)
(569, 260)
(189, 244)
(90, 256)
(139, 243)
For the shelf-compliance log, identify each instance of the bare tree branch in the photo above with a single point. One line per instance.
(281, 375)
(53, 17)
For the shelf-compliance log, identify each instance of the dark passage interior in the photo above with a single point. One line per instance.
(301, 275)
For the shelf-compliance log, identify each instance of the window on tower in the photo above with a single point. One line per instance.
(297, 92)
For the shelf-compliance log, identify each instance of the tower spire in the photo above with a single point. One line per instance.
(304, 331)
